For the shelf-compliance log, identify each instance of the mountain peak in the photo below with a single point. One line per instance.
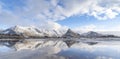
(33, 31)
(71, 33)
(69, 30)
(41, 32)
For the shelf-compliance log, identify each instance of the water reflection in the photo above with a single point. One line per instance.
(98, 51)
(77, 50)
(5, 49)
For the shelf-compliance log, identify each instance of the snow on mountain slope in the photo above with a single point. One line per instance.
(42, 32)
(33, 31)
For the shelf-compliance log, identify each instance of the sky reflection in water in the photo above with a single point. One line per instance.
(98, 51)
(104, 50)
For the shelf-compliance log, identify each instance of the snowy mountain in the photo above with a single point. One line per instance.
(34, 32)
(70, 34)
(92, 34)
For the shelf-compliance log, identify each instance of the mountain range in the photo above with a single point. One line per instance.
(33, 32)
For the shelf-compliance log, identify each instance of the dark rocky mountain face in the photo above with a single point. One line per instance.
(70, 34)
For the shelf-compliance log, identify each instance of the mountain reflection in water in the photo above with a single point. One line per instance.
(109, 50)
(59, 50)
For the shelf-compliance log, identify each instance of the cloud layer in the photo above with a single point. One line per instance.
(61, 9)
(45, 13)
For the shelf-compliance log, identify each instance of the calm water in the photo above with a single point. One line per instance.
(102, 50)
(82, 50)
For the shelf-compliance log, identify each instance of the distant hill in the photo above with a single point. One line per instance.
(92, 34)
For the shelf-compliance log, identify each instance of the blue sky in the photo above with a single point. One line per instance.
(77, 21)
(79, 15)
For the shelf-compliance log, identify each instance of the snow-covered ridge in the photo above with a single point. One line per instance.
(34, 31)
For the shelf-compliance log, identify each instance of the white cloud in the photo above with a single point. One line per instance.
(85, 28)
(60, 9)
(107, 9)
(43, 12)
(28, 17)
(98, 28)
